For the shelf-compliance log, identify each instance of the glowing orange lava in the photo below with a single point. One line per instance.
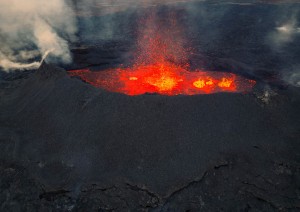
(165, 79)
(156, 70)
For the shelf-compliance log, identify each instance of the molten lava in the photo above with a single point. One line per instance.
(160, 48)
(165, 79)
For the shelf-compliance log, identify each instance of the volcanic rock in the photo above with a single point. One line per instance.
(66, 145)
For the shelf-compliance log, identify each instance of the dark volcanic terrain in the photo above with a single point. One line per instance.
(68, 146)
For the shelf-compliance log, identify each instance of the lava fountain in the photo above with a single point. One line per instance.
(161, 66)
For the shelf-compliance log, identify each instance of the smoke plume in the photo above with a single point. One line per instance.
(285, 33)
(31, 28)
(283, 39)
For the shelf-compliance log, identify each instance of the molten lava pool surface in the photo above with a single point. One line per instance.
(164, 79)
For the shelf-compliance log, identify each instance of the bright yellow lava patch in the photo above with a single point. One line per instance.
(199, 83)
(209, 82)
(133, 78)
(164, 83)
(225, 83)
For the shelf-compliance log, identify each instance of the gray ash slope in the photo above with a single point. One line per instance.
(68, 145)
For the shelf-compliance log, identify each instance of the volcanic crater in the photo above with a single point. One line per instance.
(172, 116)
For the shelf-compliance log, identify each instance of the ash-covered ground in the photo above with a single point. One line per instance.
(67, 146)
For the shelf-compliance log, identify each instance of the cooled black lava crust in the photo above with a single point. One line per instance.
(77, 146)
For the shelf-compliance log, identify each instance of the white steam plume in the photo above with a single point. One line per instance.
(292, 76)
(282, 38)
(285, 33)
(7, 64)
(29, 29)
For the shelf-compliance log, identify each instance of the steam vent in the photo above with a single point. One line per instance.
(150, 105)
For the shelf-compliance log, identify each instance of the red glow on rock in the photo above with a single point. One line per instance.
(156, 69)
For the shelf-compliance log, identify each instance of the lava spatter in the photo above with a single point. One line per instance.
(161, 66)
